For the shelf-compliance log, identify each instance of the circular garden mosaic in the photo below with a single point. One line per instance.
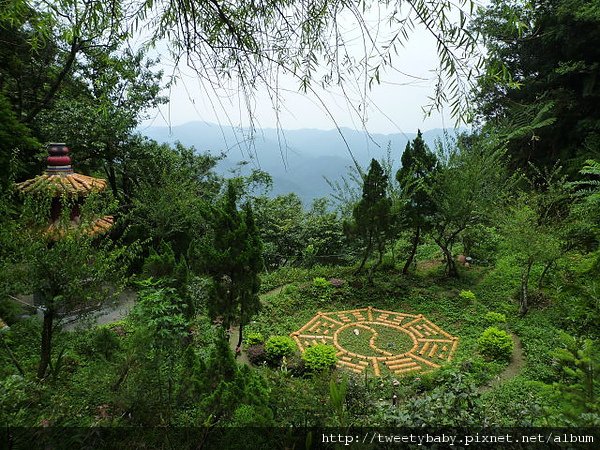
(375, 338)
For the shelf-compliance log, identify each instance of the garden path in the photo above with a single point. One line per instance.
(513, 369)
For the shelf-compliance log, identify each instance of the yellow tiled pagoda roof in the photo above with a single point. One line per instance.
(63, 183)
(97, 226)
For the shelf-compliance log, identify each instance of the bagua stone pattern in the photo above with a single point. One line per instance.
(431, 346)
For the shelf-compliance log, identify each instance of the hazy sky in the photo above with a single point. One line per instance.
(395, 105)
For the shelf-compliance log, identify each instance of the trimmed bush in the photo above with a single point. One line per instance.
(254, 338)
(319, 357)
(321, 283)
(277, 347)
(494, 317)
(496, 344)
(467, 295)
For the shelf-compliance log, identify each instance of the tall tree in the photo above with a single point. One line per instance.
(233, 259)
(415, 177)
(167, 191)
(536, 227)
(551, 48)
(372, 215)
(471, 179)
(252, 265)
(69, 75)
(280, 221)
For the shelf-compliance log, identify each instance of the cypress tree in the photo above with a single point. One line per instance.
(414, 177)
(249, 300)
(234, 260)
(372, 215)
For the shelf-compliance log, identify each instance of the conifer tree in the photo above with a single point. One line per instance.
(415, 175)
(372, 215)
(252, 260)
(233, 261)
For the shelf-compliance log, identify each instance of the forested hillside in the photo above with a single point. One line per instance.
(289, 156)
(441, 283)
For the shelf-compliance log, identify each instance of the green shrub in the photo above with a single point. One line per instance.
(320, 283)
(496, 344)
(159, 264)
(105, 342)
(320, 357)
(10, 311)
(467, 295)
(99, 342)
(453, 401)
(254, 338)
(277, 347)
(249, 416)
(494, 317)
(387, 263)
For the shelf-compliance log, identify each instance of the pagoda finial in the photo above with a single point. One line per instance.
(58, 161)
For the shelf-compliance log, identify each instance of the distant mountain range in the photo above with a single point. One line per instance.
(298, 160)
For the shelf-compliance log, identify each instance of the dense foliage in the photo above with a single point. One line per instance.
(486, 233)
(550, 48)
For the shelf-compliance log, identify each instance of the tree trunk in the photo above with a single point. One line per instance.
(366, 256)
(46, 348)
(127, 186)
(523, 303)
(413, 251)
(239, 343)
(380, 249)
(544, 273)
(54, 88)
(451, 269)
(112, 178)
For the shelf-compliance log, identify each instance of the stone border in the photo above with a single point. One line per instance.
(432, 345)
